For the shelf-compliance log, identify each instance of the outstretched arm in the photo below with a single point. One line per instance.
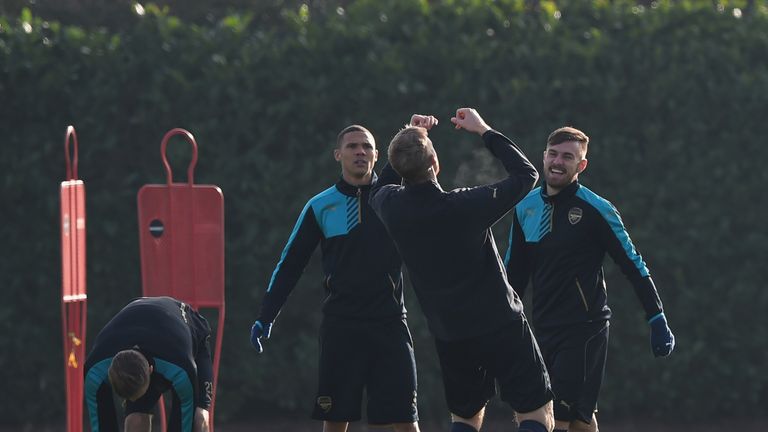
(616, 241)
(301, 244)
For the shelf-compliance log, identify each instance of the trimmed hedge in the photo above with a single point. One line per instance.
(673, 97)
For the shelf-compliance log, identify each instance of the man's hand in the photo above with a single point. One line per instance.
(469, 119)
(260, 331)
(662, 339)
(425, 121)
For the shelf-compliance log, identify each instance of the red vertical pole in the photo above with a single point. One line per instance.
(73, 295)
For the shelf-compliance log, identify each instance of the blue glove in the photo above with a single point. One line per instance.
(662, 339)
(259, 331)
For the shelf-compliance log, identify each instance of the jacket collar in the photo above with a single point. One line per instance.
(351, 190)
(566, 193)
(426, 187)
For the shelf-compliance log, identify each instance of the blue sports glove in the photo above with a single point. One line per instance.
(259, 331)
(662, 339)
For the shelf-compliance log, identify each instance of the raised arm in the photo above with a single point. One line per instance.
(485, 205)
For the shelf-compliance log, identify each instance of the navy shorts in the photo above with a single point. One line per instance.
(508, 357)
(377, 357)
(575, 357)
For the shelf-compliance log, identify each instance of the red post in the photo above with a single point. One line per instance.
(73, 295)
(181, 239)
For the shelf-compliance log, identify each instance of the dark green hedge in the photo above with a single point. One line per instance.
(673, 96)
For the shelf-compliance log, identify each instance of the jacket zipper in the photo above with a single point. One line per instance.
(359, 206)
(581, 293)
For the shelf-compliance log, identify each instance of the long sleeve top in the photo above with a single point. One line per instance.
(559, 242)
(448, 247)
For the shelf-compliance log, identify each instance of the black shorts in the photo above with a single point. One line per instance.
(508, 356)
(575, 357)
(377, 357)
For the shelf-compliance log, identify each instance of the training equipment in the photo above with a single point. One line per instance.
(258, 331)
(662, 339)
(181, 238)
(73, 295)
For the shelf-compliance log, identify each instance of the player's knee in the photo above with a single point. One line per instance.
(202, 420)
(329, 426)
(561, 426)
(543, 415)
(580, 426)
(138, 422)
(405, 427)
(476, 421)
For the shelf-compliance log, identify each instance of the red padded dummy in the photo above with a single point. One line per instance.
(181, 233)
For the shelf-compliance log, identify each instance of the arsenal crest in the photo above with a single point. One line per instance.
(325, 403)
(574, 215)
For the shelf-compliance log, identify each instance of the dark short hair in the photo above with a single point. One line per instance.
(348, 129)
(129, 373)
(568, 133)
(410, 153)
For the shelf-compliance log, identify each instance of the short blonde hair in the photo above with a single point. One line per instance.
(410, 153)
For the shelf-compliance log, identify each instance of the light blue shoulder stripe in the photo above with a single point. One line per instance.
(528, 207)
(509, 245)
(611, 215)
(288, 245)
(531, 212)
(330, 209)
(183, 388)
(96, 376)
(336, 213)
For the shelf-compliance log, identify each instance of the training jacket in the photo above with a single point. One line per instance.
(558, 243)
(361, 266)
(448, 247)
(175, 340)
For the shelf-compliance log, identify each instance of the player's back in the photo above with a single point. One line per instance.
(157, 325)
(454, 265)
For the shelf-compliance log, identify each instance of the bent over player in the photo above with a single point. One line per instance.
(481, 335)
(152, 345)
(560, 234)
(364, 339)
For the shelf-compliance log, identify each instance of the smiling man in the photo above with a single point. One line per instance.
(364, 339)
(560, 234)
